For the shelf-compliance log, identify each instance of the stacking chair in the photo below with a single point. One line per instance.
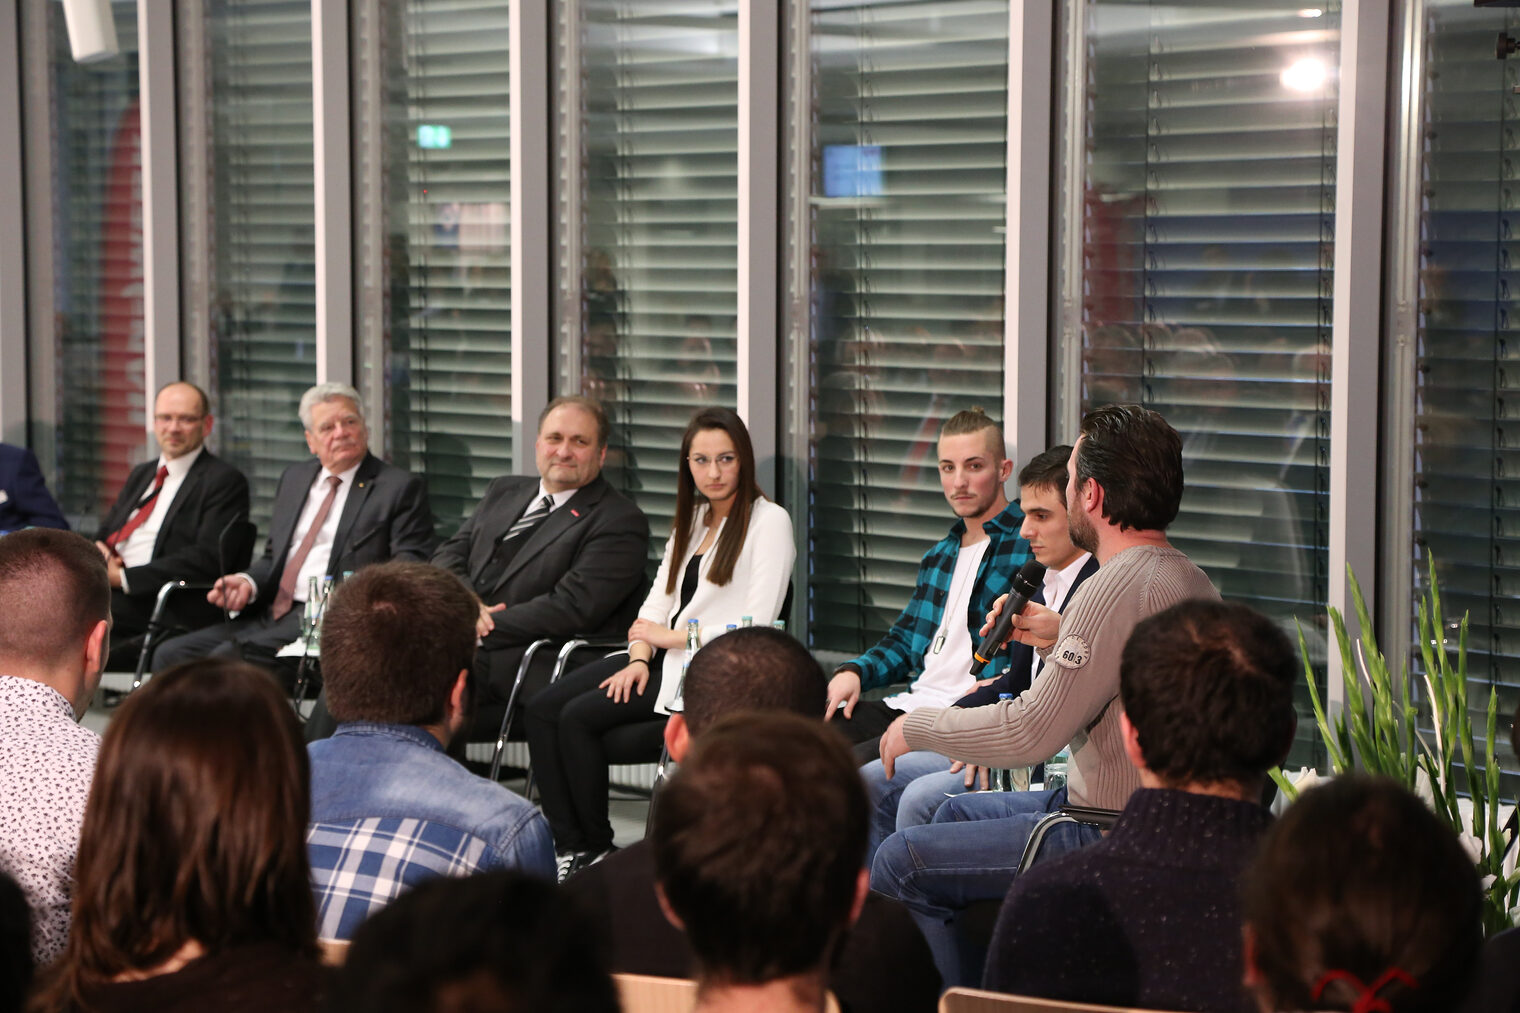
(974, 1000)
(234, 552)
(644, 993)
(1102, 819)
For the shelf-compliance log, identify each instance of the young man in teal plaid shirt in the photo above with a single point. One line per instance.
(958, 581)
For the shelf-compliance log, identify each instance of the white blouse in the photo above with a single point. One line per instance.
(757, 589)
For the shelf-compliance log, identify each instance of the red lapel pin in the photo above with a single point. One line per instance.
(574, 512)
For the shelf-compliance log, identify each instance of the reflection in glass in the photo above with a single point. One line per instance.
(1208, 211)
(658, 229)
(1465, 454)
(447, 182)
(97, 268)
(905, 236)
(264, 261)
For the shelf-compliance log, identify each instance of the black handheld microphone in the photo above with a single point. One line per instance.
(1025, 584)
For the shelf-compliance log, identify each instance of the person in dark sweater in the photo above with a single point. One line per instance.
(754, 669)
(1150, 915)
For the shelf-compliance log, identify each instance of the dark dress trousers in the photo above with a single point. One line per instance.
(385, 517)
(24, 498)
(213, 495)
(581, 571)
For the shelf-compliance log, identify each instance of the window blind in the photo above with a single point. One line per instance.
(1465, 457)
(1208, 221)
(907, 181)
(97, 267)
(447, 178)
(658, 229)
(264, 253)
(1209, 216)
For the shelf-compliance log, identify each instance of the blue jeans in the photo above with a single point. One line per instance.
(968, 854)
(920, 784)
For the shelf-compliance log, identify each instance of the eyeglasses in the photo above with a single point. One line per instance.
(725, 461)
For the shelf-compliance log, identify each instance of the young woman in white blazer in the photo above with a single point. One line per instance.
(729, 556)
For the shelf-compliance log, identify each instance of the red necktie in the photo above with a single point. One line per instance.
(292, 571)
(143, 512)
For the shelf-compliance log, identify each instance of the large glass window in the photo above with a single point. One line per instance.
(1467, 376)
(649, 232)
(96, 406)
(905, 171)
(448, 237)
(263, 276)
(1207, 204)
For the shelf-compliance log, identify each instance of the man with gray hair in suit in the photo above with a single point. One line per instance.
(339, 511)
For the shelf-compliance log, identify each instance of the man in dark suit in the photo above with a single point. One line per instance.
(337, 513)
(556, 556)
(167, 523)
(24, 498)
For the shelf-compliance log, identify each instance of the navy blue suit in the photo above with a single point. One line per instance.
(24, 498)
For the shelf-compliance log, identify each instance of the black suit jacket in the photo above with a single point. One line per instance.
(27, 502)
(572, 573)
(883, 966)
(386, 516)
(213, 495)
(1021, 656)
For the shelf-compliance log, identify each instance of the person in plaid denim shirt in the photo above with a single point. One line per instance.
(958, 580)
(389, 808)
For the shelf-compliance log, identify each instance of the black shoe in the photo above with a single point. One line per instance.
(586, 859)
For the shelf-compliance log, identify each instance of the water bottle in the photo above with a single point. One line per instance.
(1055, 769)
(745, 622)
(779, 624)
(1001, 779)
(311, 613)
(693, 644)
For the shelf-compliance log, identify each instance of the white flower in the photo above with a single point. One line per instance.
(1422, 787)
(1472, 846)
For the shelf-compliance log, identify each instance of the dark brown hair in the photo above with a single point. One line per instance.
(758, 668)
(1047, 470)
(53, 590)
(394, 640)
(1136, 456)
(1360, 876)
(758, 843)
(1208, 686)
(195, 829)
(731, 541)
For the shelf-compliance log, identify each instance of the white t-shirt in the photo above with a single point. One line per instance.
(947, 666)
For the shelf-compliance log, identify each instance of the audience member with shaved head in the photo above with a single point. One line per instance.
(55, 604)
(757, 669)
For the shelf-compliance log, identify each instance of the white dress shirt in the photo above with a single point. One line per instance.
(137, 548)
(1057, 589)
(321, 549)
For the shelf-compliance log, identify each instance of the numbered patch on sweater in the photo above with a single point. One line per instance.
(1071, 652)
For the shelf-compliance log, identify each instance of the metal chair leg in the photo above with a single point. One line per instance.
(506, 717)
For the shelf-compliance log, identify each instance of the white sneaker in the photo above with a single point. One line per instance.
(562, 864)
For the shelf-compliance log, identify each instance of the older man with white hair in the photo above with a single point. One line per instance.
(340, 511)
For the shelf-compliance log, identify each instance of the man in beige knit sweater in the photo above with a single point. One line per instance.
(1124, 488)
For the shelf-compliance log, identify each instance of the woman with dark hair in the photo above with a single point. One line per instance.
(1361, 899)
(193, 890)
(729, 558)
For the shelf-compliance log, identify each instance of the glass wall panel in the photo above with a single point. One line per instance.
(263, 313)
(1467, 377)
(1207, 217)
(446, 179)
(649, 225)
(96, 407)
(902, 228)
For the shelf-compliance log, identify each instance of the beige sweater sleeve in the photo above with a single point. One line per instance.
(1074, 698)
